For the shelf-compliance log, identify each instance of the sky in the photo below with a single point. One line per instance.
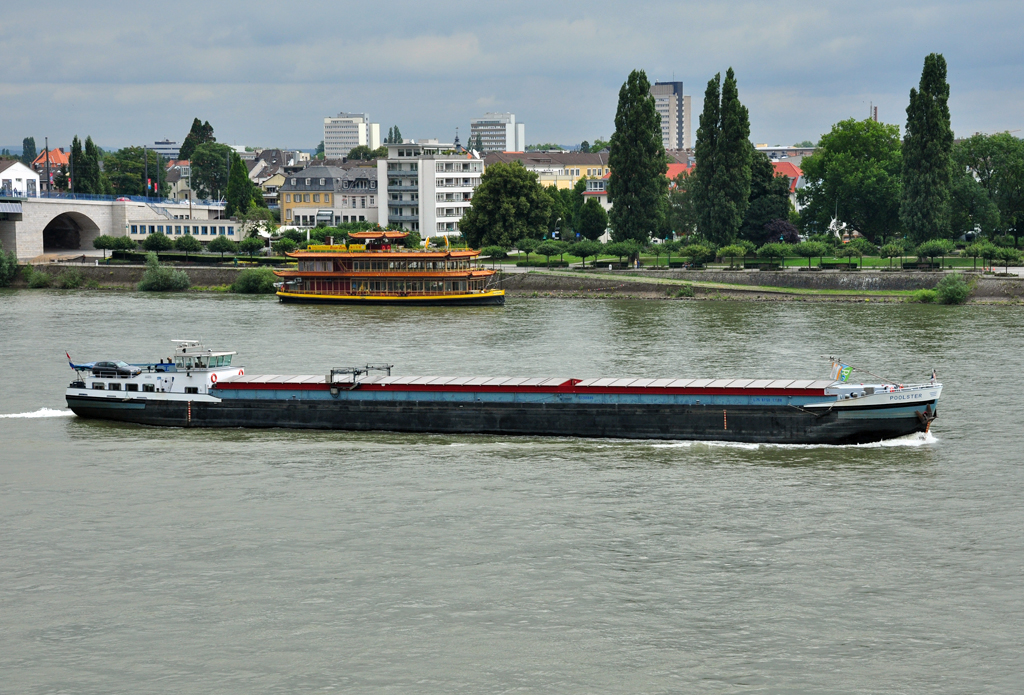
(266, 74)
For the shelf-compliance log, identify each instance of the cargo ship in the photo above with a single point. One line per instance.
(374, 268)
(202, 388)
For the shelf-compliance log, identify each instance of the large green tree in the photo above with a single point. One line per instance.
(76, 158)
(126, 171)
(90, 175)
(769, 198)
(242, 194)
(682, 216)
(209, 164)
(28, 151)
(855, 175)
(927, 145)
(592, 220)
(509, 205)
(721, 187)
(199, 134)
(996, 162)
(637, 186)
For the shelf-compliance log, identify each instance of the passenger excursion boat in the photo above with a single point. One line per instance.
(374, 268)
(200, 388)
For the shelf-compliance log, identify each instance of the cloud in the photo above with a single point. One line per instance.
(128, 73)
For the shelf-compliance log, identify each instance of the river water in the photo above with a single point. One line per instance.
(144, 560)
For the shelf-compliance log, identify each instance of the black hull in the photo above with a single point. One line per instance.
(755, 424)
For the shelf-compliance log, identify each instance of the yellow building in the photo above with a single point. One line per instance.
(329, 195)
(561, 169)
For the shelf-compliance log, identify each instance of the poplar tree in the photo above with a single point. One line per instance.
(28, 151)
(721, 185)
(637, 187)
(77, 162)
(89, 176)
(927, 148)
(391, 135)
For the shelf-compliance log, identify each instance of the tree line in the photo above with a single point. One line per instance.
(921, 187)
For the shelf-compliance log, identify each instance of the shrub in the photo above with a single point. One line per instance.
(284, 245)
(36, 279)
(70, 279)
(685, 291)
(924, 296)
(8, 268)
(255, 281)
(160, 279)
(953, 289)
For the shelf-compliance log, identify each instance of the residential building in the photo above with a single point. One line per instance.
(57, 157)
(179, 179)
(498, 132)
(348, 130)
(18, 180)
(429, 186)
(168, 149)
(674, 108)
(329, 195)
(561, 169)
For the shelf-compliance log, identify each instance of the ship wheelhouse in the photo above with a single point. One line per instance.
(374, 268)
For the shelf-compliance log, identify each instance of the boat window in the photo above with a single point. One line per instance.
(191, 389)
(98, 385)
(200, 363)
(131, 387)
(115, 387)
(149, 388)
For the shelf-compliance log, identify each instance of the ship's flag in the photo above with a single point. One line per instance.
(844, 372)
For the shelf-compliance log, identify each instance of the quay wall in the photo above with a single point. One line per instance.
(635, 283)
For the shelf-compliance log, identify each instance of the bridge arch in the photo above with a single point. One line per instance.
(70, 231)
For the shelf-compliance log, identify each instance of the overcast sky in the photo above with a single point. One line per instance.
(266, 74)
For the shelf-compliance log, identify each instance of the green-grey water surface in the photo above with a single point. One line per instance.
(144, 560)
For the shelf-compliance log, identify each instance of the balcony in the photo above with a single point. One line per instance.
(403, 218)
(403, 188)
(391, 173)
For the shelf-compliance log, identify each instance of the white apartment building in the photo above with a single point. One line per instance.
(498, 132)
(674, 108)
(430, 186)
(348, 130)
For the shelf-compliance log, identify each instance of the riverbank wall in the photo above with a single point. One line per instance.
(660, 284)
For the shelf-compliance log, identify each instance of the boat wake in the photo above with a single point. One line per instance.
(910, 440)
(42, 412)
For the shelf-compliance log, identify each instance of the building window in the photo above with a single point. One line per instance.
(160, 228)
(195, 230)
(231, 231)
(135, 229)
(305, 198)
(223, 231)
(293, 182)
(307, 181)
(371, 201)
(316, 197)
(322, 182)
(287, 197)
(152, 229)
(177, 229)
(362, 202)
(327, 197)
(288, 214)
(204, 230)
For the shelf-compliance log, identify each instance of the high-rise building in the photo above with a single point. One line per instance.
(348, 130)
(429, 186)
(674, 108)
(168, 149)
(498, 132)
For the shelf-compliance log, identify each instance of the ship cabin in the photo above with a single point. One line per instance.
(376, 265)
(192, 369)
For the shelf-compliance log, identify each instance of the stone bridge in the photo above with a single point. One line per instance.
(30, 227)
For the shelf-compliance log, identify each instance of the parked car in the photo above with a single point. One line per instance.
(114, 369)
